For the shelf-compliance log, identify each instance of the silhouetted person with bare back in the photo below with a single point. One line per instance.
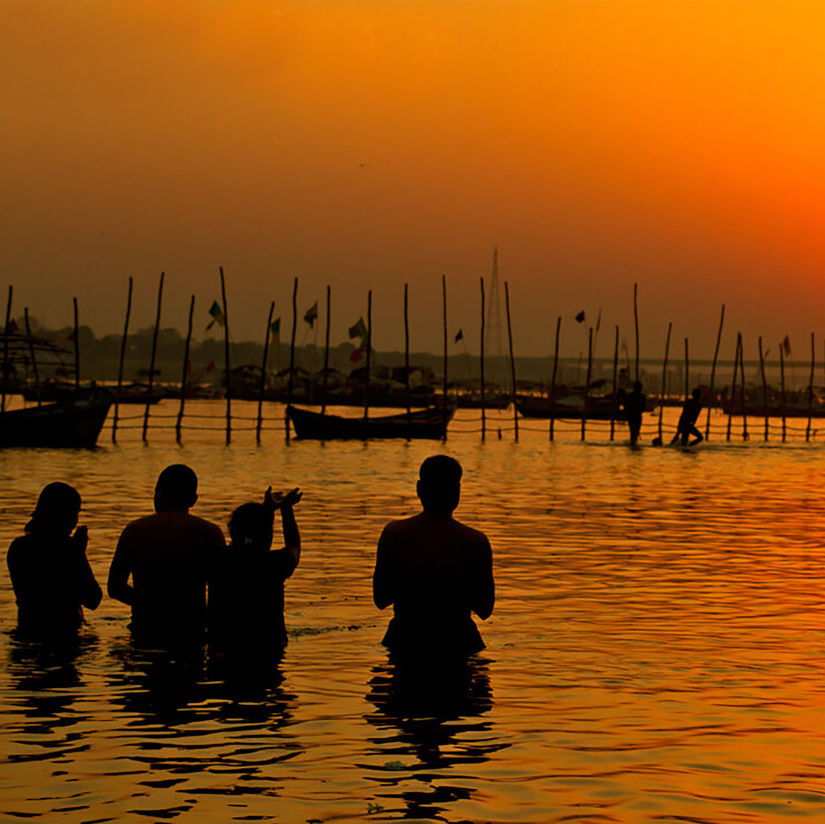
(49, 570)
(634, 405)
(434, 571)
(169, 556)
(687, 420)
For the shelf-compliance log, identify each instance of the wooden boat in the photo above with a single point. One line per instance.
(74, 424)
(425, 423)
(569, 407)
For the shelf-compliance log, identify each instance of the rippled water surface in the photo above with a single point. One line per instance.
(656, 652)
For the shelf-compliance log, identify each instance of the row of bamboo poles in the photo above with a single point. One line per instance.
(738, 372)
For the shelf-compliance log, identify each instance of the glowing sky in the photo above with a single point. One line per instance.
(364, 144)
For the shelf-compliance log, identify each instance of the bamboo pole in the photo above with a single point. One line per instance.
(687, 371)
(444, 413)
(227, 368)
(551, 432)
(152, 359)
(745, 435)
(32, 355)
(587, 380)
(6, 351)
(76, 347)
(733, 387)
(615, 385)
(782, 386)
(262, 385)
(326, 354)
(120, 361)
(512, 359)
(811, 390)
(291, 353)
(407, 356)
(660, 439)
(636, 323)
(713, 371)
(369, 355)
(481, 367)
(185, 370)
(764, 387)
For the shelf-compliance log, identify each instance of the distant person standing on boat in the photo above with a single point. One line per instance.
(687, 420)
(169, 556)
(246, 590)
(49, 570)
(634, 405)
(435, 571)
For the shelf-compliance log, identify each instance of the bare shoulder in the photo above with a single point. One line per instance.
(209, 529)
(398, 528)
(472, 537)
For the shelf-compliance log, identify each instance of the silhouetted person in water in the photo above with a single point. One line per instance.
(687, 420)
(49, 570)
(168, 555)
(634, 405)
(434, 571)
(246, 590)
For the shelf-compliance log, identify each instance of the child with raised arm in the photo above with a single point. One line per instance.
(246, 588)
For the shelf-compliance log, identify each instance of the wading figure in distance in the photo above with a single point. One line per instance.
(687, 420)
(49, 570)
(634, 405)
(169, 556)
(435, 571)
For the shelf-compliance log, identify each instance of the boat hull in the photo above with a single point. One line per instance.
(427, 423)
(54, 425)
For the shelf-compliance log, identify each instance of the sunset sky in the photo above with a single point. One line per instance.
(365, 144)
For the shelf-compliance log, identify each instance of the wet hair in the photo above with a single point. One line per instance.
(439, 483)
(178, 485)
(56, 509)
(250, 526)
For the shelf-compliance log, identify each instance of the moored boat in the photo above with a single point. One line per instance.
(424, 423)
(72, 423)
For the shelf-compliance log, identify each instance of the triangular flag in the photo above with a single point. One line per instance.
(459, 335)
(786, 346)
(358, 330)
(311, 314)
(275, 327)
(217, 316)
(580, 317)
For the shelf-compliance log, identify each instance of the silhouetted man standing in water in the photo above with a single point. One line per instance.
(434, 571)
(634, 405)
(169, 555)
(687, 420)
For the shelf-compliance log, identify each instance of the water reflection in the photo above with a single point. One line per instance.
(433, 713)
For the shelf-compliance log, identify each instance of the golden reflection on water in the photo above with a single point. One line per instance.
(656, 652)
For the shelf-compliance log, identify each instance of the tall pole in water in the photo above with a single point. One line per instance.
(495, 343)
(122, 356)
(6, 351)
(326, 355)
(32, 354)
(262, 385)
(713, 370)
(553, 380)
(76, 346)
(444, 318)
(369, 355)
(636, 323)
(407, 356)
(664, 382)
(481, 369)
(291, 353)
(512, 359)
(226, 361)
(151, 359)
(185, 370)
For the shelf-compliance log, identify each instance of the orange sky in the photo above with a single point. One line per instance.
(362, 144)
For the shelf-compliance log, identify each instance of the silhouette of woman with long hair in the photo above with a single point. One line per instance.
(49, 570)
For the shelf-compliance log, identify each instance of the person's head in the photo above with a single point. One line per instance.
(250, 527)
(56, 511)
(697, 394)
(637, 386)
(439, 484)
(176, 488)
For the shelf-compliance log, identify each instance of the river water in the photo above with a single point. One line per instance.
(656, 653)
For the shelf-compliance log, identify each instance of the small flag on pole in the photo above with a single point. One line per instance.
(275, 328)
(580, 317)
(358, 330)
(217, 316)
(786, 346)
(311, 314)
(459, 335)
(357, 354)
